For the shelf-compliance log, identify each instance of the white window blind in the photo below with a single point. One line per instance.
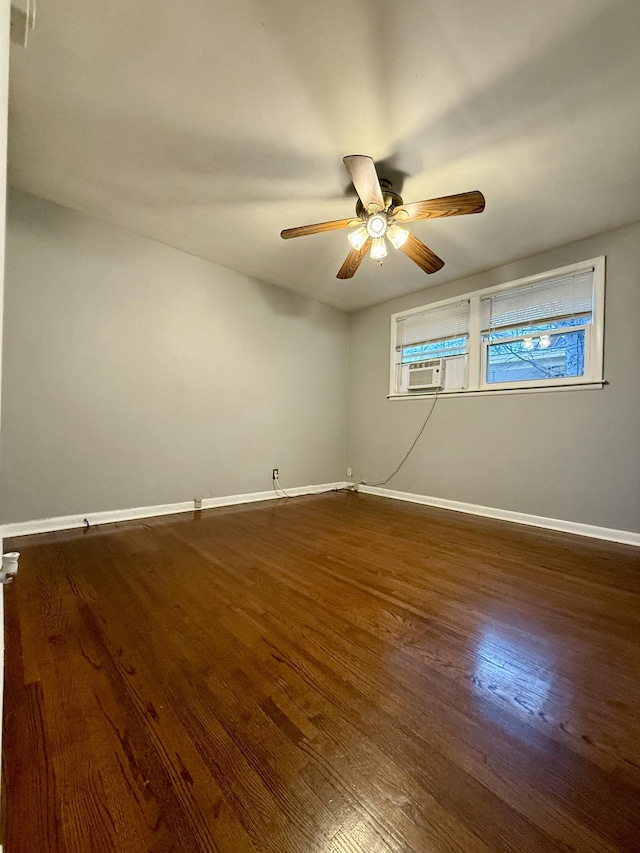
(569, 296)
(437, 324)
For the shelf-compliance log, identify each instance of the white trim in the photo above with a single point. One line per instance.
(68, 522)
(5, 25)
(596, 356)
(493, 392)
(626, 537)
(474, 365)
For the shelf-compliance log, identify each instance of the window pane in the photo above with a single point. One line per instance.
(537, 329)
(435, 349)
(547, 356)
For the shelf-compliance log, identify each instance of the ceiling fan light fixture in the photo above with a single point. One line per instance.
(397, 236)
(358, 237)
(377, 225)
(378, 249)
(378, 209)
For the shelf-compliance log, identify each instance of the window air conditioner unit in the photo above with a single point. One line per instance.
(426, 375)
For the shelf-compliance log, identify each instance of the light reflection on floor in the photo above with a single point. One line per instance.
(513, 674)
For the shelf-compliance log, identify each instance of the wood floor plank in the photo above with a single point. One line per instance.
(336, 674)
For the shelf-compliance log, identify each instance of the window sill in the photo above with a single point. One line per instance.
(575, 386)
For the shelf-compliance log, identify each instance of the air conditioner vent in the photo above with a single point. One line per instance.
(426, 375)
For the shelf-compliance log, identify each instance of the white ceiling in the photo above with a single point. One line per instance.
(212, 126)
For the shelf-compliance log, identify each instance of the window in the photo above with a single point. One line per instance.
(421, 337)
(546, 330)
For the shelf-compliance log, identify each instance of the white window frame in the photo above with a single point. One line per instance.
(594, 339)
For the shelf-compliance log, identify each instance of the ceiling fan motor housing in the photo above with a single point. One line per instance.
(391, 199)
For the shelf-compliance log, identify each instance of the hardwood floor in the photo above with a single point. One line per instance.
(334, 674)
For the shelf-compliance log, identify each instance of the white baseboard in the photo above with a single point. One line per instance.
(626, 537)
(68, 522)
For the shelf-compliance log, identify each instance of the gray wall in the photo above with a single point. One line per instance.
(137, 375)
(570, 455)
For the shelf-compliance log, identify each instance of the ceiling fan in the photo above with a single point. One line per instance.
(379, 210)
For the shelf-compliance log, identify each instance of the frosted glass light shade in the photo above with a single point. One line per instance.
(358, 237)
(397, 236)
(378, 249)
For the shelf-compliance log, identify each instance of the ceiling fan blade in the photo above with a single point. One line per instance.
(365, 179)
(353, 261)
(448, 205)
(421, 255)
(303, 230)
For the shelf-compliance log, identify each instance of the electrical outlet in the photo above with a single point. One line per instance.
(275, 474)
(349, 472)
(197, 503)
